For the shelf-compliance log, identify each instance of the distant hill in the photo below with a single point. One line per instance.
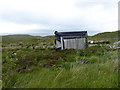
(107, 35)
(17, 38)
(111, 36)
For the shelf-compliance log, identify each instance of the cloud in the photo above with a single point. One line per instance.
(47, 16)
(18, 28)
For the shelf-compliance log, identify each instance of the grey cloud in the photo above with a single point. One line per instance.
(64, 24)
(31, 18)
(22, 17)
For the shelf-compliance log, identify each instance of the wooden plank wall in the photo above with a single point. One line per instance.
(78, 43)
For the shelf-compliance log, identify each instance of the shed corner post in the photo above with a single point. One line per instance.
(61, 42)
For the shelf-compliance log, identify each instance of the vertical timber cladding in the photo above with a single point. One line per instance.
(67, 40)
(77, 43)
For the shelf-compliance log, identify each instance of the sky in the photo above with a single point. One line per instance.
(44, 17)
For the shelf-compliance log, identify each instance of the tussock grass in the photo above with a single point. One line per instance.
(44, 67)
(67, 70)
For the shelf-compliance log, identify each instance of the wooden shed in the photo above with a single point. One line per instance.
(67, 40)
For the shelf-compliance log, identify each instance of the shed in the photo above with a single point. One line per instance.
(67, 40)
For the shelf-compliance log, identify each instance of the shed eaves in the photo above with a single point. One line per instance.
(77, 33)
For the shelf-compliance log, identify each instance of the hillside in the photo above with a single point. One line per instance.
(111, 36)
(44, 67)
(15, 40)
(107, 35)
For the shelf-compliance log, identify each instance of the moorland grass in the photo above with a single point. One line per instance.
(46, 68)
(48, 41)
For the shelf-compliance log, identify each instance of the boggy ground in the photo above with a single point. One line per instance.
(95, 67)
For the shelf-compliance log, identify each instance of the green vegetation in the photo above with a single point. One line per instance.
(95, 67)
(44, 67)
(27, 41)
(48, 41)
(110, 36)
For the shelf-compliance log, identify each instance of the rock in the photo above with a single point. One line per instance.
(15, 53)
(91, 42)
(116, 45)
(36, 46)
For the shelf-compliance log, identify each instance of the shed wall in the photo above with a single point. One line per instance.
(58, 44)
(77, 43)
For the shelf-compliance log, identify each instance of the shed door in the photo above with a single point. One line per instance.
(77, 43)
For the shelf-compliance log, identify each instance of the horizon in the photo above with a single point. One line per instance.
(36, 34)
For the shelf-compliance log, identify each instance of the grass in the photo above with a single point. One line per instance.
(63, 69)
(27, 41)
(110, 36)
(44, 67)
(48, 41)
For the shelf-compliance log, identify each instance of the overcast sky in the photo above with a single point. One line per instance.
(43, 17)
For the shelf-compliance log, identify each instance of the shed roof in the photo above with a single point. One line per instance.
(76, 33)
